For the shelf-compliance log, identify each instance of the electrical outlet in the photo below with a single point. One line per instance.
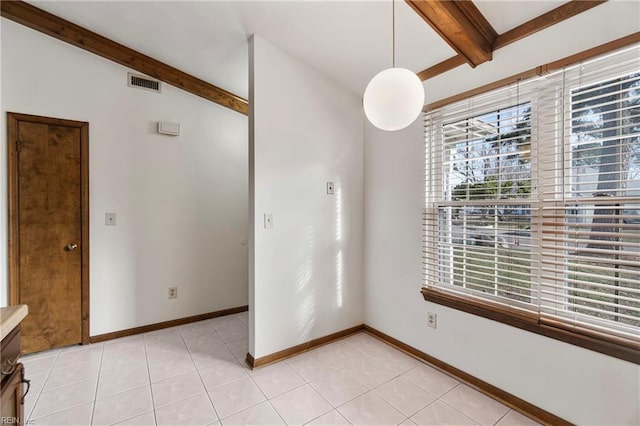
(432, 320)
(173, 292)
(330, 188)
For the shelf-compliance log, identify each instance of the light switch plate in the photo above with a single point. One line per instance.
(330, 188)
(110, 219)
(268, 221)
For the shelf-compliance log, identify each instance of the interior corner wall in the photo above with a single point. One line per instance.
(579, 385)
(181, 202)
(306, 131)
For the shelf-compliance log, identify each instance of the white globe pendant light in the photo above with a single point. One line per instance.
(393, 98)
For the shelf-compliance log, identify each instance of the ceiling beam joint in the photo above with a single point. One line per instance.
(461, 25)
(546, 20)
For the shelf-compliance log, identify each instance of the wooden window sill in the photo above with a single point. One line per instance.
(629, 352)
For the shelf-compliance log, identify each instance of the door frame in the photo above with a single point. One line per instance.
(14, 242)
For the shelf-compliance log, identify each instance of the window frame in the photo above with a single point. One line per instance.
(511, 315)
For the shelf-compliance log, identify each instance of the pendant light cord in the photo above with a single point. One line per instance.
(393, 31)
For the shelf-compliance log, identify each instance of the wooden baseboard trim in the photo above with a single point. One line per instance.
(304, 347)
(520, 405)
(250, 360)
(165, 324)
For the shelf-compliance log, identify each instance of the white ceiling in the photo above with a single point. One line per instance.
(350, 41)
(505, 15)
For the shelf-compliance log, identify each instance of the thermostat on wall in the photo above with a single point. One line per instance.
(166, 128)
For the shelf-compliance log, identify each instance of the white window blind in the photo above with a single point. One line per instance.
(590, 196)
(533, 198)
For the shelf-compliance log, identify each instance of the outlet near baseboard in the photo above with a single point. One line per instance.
(173, 292)
(432, 320)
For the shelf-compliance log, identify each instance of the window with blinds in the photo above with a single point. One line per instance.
(533, 199)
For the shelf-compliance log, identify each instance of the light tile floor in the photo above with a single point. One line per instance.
(195, 375)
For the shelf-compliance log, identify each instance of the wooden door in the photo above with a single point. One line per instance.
(48, 231)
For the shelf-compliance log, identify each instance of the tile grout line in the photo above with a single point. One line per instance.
(423, 362)
(146, 358)
(455, 408)
(54, 389)
(309, 384)
(236, 380)
(206, 391)
(243, 365)
(35, 403)
(340, 368)
(128, 390)
(95, 395)
(243, 362)
(322, 396)
(502, 417)
(276, 411)
(372, 391)
(60, 352)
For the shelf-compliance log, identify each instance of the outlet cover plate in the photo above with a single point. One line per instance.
(173, 292)
(432, 320)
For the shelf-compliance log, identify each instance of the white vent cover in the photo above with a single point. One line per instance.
(166, 128)
(142, 82)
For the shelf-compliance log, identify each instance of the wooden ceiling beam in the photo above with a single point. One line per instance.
(461, 25)
(61, 29)
(477, 19)
(442, 67)
(559, 14)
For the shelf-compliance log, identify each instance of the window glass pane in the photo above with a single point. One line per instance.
(494, 260)
(488, 156)
(605, 150)
(484, 230)
(603, 221)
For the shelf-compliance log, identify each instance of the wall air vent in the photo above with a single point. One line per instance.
(142, 82)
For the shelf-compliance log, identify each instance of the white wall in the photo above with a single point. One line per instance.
(306, 130)
(181, 202)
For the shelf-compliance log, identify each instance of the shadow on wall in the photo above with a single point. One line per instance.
(306, 312)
